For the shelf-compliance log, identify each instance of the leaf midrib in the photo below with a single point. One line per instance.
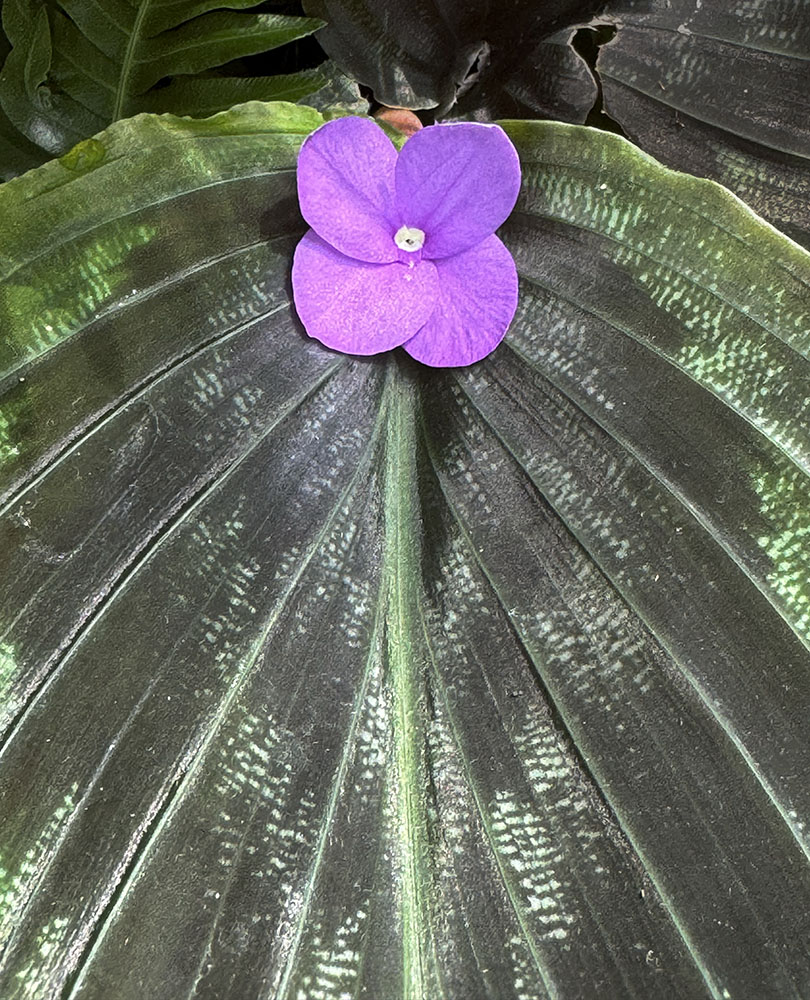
(127, 62)
(413, 957)
(517, 906)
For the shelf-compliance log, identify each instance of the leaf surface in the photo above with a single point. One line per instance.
(552, 81)
(503, 57)
(720, 92)
(351, 676)
(75, 66)
(707, 88)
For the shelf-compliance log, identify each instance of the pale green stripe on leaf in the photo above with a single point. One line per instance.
(727, 302)
(739, 289)
(9, 704)
(784, 494)
(17, 885)
(42, 315)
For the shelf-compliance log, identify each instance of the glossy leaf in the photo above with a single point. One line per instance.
(328, 676)
(17, 154)
(77, 65)
(719, 91)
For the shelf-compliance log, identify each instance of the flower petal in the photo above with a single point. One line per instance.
(478, 293)
(357, 307)
(457, 183)
(346, 188)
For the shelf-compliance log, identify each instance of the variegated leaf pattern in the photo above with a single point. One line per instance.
(721, 90)
(327, 677)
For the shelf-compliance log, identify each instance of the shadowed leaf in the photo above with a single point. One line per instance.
(553, 81)
(504, 57)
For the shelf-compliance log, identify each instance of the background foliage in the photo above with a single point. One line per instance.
(329, 677)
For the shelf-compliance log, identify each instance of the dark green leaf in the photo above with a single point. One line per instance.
(323, 88)
(721, 93)
(551, 82)
(38, 56)
(204, 96)
(338, 92)
(77, 65)
(508, 55)
(327, 676)
(17, 154)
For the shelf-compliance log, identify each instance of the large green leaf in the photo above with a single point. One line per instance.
(77, 65)
(325, 676)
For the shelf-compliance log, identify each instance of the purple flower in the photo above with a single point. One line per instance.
(402, 247)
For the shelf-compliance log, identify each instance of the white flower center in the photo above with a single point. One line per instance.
(409, 239)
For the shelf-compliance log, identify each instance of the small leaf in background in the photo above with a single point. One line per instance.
(551, 81)
(337, 91)
(412, 57)
(431, 56)
(346, 675)
(17, 154)
(38, 56)
(202, 96)
(75, 66)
